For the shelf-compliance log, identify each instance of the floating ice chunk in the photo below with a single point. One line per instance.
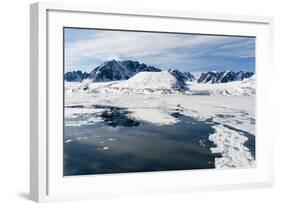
(84, 110)
(67, 141)
(155, 116)
(105, 148)
(202, 143)
(231, 146)
(89, 121)
(111, 139)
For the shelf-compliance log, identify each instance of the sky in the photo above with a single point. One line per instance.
(85, 49)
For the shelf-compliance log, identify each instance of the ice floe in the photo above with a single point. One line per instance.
(230, 144)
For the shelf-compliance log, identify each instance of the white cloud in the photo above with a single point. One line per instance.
(153, 48)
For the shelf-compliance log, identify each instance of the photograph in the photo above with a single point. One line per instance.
(146, 101)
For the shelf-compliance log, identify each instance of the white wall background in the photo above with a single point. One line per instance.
(14, 101)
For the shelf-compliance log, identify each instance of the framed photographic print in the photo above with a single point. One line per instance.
(127, 102)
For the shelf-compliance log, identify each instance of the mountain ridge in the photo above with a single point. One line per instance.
(114, 70)
(75, 76)
(223, 77)
(119, 70)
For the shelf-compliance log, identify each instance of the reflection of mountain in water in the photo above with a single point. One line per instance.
(117, 117)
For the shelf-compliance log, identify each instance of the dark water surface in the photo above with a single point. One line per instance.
(121, 145)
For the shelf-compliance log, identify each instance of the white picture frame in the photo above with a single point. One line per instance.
(46, 180)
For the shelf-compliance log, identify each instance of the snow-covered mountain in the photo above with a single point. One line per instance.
(119, 70)
(134, 77)
(142, 83)
(246, 87)
(223, 77)
(122, 70)
(182, 77)
(163, 83)
(75, 76)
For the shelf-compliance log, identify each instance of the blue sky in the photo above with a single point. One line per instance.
(87, 48)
